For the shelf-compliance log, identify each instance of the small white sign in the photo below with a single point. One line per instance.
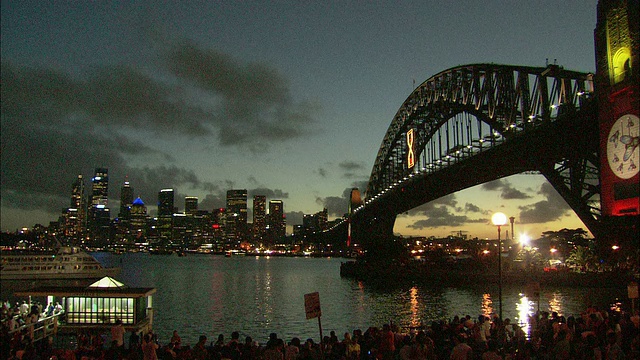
(312, 305)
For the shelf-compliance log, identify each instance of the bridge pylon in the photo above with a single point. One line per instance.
(617, 43)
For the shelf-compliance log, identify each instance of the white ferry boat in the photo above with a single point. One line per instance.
(65, 263)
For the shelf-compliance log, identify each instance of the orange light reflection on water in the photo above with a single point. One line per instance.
(555, 304)
(487, 305)
(415, 317)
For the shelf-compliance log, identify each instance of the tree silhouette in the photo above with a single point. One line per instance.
(583, 258)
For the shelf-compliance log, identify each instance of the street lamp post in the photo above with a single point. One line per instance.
(498, 219)
(512, 219)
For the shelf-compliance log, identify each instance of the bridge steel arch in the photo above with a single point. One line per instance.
(475, 123)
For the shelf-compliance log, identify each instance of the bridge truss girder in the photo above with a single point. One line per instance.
(517, 105)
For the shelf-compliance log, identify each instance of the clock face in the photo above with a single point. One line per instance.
(622, 146)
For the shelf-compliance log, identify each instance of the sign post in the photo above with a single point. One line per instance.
(312, 309)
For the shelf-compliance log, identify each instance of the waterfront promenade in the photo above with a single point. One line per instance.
(210, 295)
(551, 336)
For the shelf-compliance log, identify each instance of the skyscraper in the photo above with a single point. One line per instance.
(100, 187)
(323, 219)
(259, 217)
(126, 199)
(165, 213)
(190, 205)
(236, 227)
(165, 202)
(138, 225)
(123, 225)
(277, 222)
(100, 219)
(77, 193)
(219, 224)
(76, 220)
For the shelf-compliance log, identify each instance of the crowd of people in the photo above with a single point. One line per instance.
(14, 317)
(591, 335)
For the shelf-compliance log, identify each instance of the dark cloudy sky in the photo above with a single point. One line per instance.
(286, 99)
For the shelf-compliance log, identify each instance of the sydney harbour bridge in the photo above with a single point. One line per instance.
(475, 123)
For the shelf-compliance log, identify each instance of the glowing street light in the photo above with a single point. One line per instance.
(498, 219)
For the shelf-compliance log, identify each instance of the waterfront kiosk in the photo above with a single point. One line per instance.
(99, 305)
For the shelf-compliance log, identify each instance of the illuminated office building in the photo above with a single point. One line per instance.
(259, 217)
(100, 216)
(75, 219)
(100, 187)
(277, 221)
(138, 225)
(123, 222)
(191, 205)
(165, 202)
(236, 227)
(165, 213)
(126, 199)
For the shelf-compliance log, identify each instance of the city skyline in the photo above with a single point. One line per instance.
(288, 101)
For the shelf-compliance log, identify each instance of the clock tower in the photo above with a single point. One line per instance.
(617, 92)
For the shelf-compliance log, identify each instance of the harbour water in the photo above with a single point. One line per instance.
(212, 294)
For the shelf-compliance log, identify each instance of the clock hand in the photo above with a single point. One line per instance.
(631, 144)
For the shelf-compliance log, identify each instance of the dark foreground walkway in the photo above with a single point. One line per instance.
(594, 334)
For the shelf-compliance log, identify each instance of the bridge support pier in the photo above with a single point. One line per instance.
(369, 232)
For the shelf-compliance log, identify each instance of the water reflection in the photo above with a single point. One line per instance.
(525, 311)
(555, 303)
(255, 296)
(415, 316)
(487, 305)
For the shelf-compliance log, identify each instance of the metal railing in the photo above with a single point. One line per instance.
(41, 329)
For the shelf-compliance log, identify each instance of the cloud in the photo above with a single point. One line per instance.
(351, 169)
(44, 149)
(444, 212)
(551, 209)
(336, 206)
(123, 96)
(275, 194)
(252, 180)
(512, 193)
(252, 103)
(213, 201)
(56, 126)
(109, 98)
(439, 216)
(425, 209)
(508, 192)
(322, 172)
(351, 165)
(493, 185)
(294, 217)
(469, 207)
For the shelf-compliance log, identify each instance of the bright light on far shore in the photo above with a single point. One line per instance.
(525, 240)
